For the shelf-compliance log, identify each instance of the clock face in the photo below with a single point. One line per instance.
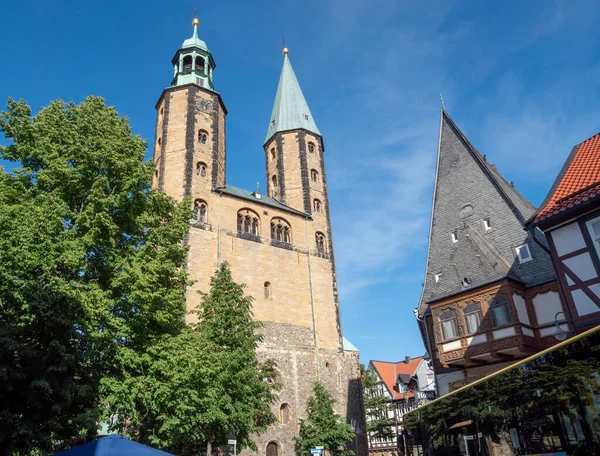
(205, 105)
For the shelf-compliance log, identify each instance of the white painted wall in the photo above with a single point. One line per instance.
(583, 304)
(546, 306)
(451, 346)
(521, 309)
(477, 339)
(504, 332)
(444, 380)
(567, 239)
(582, 266)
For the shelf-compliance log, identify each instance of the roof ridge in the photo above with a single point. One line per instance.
(492, 172)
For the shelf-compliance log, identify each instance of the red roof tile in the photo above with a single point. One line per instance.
(388, 374)
(578, 181)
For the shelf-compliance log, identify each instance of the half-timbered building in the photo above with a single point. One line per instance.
(570, 219)
(490, 294)
(405, 385)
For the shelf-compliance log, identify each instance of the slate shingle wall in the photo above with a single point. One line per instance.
(483, 256)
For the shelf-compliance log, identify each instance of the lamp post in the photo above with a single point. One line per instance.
(560, 334)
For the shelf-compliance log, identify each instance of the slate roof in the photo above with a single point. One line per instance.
(389, 372)
(290, 110)
(467, 190)
(265, 200)
(577, 183)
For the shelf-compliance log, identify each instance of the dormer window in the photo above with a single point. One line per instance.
(523, 253)
(487, 224)
(466, 281)
(454, 236)
(305, 116)
(438, 277)
(273, 123)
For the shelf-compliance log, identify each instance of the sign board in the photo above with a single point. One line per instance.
(316, 451)
(231, 442)
(319, 448)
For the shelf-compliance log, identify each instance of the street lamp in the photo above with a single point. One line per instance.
(560, 334)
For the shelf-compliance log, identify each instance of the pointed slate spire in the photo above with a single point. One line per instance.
(477, 222)
(290, 110)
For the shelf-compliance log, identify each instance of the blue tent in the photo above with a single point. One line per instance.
(112, 445)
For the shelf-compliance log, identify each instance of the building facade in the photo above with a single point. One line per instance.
(490, 294)
(278, 244)
(405, 385)
(570, 219)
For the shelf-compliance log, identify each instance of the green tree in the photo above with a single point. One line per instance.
(376, 406)
(237, 399)
(322, 426)
(190, 391)
(90, 266)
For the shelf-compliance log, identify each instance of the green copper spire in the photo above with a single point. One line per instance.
(290, 110)
(193, 63)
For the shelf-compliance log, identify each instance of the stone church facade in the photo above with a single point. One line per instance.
(278, 244)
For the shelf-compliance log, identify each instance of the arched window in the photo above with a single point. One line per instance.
(316, 205)
(280, 230)
(314, 175)
(187, 63)
(284, 414)
(472, 317)
(272, 153)
(201, 169)
(202, 136)
(200, 211)
(320, 240)
(448, 325)
(311, 147)
(199, 64)
(248, 222)
(268, 294)
(162, 111)
(273, 449)
(159, 141)
(499, 311)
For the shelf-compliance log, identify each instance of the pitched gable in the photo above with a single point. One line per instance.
(389, 372)
(577, 183)
(467, 191)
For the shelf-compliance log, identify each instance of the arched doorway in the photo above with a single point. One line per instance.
(273, 449)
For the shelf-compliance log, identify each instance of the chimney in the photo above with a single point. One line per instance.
(407, 359)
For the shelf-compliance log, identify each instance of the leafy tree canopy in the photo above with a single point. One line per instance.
(322, 426)
(90, 266)
(191, 391)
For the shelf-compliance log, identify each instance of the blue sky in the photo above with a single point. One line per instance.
(521, 79)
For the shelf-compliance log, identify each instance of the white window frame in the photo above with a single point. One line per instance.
(521, 259)
(486, 224)
(595, 238)
(454, 236)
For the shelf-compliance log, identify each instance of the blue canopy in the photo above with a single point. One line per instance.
(112, 445)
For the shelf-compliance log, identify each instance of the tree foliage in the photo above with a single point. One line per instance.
(323, 427)
(190, 392)
(90, 266)
(376, 406)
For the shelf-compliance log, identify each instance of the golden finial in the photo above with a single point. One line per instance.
(285, 50)
(195, 22)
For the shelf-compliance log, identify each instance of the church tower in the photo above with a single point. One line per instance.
(190, 125)
(278, 244)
